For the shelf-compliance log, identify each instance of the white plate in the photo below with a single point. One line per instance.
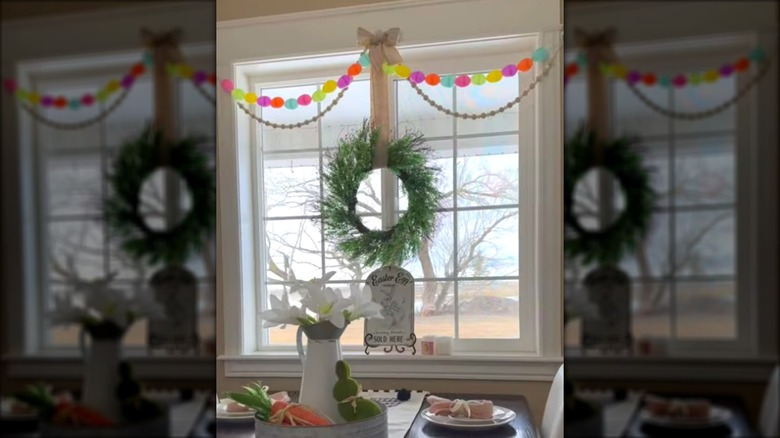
(718, 416)
(501, 416)
(223, 414)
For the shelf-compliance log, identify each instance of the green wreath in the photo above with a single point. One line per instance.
(347, 167)
(136, 161)
(609, 245)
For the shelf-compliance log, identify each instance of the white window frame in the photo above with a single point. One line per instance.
(696, 54)
(238, 262)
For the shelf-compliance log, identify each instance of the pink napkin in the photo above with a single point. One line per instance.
(281, 396)
(691, 408)
(480, 409)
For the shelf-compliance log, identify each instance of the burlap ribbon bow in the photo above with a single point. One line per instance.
(381, 45)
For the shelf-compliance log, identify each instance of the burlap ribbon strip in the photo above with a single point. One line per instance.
(381, 48)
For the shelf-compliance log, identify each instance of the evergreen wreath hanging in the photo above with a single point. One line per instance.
(609, 245)
(137, 159)
(347, 167)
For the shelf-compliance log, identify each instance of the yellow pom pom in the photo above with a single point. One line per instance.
(329, 86)
(619, 71)
(250, 98)
(34, 98)
(494, 76)
(112, 86)
(402, 71)
(186, 71)
(711, 76)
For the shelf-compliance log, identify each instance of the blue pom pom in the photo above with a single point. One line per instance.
(540, 55)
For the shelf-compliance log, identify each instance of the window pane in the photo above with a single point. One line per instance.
(273, 139)
(704, 171)
(489, 309)
(74, 184)
(291, 184)
(631, 116)
(294, 247)
(76, 248)
(655, 158)
(348, 115)
(441, 157)
(132, 116)
(651, 257)
(417, 115)
(487, 171)
(706, 310)
(705, 243)
(348, 269)
(197, 115)
(52, 138)
(651, 317)
(433, 309)
(575, 107)
(488, 97)
(704, 97)
(488, 243)
(435, 257)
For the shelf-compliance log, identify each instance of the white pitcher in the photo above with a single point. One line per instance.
(101, 374)
(323, 350)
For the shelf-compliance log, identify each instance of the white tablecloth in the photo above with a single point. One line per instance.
(400, 414)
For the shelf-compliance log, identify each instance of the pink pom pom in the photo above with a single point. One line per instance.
(462, 81)
(304, 99)
(127, 81)
(87, 100)
(9, 85)
(47, 101)
(264, 101)
(227, 85)
(679, 81)
(509, 70)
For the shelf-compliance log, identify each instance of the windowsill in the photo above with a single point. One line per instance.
(55, 366)
(380, 365)
(711, 368)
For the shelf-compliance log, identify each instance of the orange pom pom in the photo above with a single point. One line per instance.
(742, 64)
(138, 69)
(649, 79)
(354, 69)
(572, 69)
(432, 79)
(277, 102)
(525, 64)
(60, 102)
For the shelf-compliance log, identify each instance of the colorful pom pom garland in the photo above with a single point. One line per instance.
(89, 99)
(304, 99)
(136, 70)
(635, 77)
(401, 70)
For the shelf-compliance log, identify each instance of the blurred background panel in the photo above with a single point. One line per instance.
(62, 256)
(695, 308)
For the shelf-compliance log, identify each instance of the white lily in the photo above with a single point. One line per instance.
(328, 304)
(361, 305)
(314, 285)
(282, 313)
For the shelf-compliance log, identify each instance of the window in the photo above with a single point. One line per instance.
(686, 285)
(490, 281)
(469, 280)
(74, 241)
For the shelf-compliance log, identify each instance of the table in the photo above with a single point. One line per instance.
(738, 424)
(522, 427)
(189, 416)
